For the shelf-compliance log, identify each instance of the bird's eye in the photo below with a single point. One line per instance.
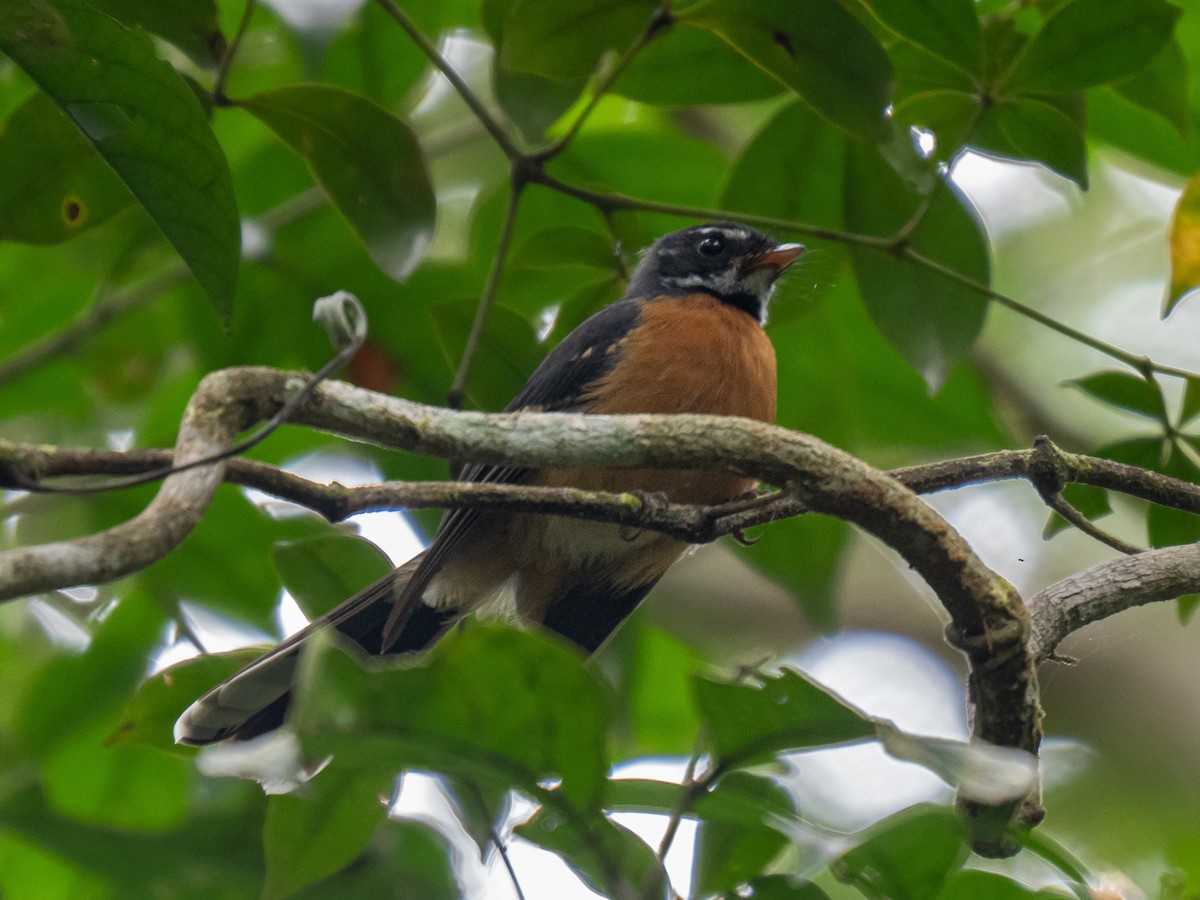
(712, 245)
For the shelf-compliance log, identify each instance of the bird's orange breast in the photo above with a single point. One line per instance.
(690, 354)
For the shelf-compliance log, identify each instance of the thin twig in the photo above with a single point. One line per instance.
(1060, 505)
(688, 792)
(343, 355)
(218, 91)
(477, 107)
(462, 377)
(1136, 361)
(659, 22)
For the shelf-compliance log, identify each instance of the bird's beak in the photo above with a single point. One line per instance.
(777, 259)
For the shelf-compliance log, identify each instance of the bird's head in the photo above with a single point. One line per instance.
(735, 264)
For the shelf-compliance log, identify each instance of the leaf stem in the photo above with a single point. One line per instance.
(487, 299)
(218, 92)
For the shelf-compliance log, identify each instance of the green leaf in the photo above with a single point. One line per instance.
(843, 382)
(933, 95)
(1125, 391)
(566, 245)
(53, 183)
(224, 563)
(791, 169)
(980, 771)
(657, 692)
(134, 788)
(1090, 42)
(609, 858)
(485, 700)
(946, 28)
(72, 692)
(687, 66)
(908, 856)
(210, 852)
(1119, 123)
(1191, 401)
(143, 119)
(1184, 241)
(975, 885)
(191, 25)
(507, 355)
(367, 160)
(1162, 87)
(372, 57)
(1030, 128)
(562, 40)
(149, 718)
(532, 102)
(1143, 452)
(399, 853)
(816, 48)
(589, 299)
(750, 723)
(26, 870)
(728, 854)
(1168, 526)
(804, 555)
(1187, 606)
(931, 320)
(322, 571)
(321, 827)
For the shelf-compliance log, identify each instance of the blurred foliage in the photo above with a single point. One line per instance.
(128, 153)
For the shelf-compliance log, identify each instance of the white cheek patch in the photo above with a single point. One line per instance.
(725, 282)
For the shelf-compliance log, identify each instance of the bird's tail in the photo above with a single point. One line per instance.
(255, 700)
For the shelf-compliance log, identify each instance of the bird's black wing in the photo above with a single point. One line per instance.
(559, 384)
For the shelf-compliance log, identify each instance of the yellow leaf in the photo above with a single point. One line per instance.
(1185, 245)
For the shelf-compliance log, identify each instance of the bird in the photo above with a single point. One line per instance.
(686, 337)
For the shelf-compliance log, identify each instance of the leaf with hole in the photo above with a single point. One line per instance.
(816, 48)
(144, 120)
(53, 183)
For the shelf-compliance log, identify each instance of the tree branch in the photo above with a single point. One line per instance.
(989, 621)
(1109, 588)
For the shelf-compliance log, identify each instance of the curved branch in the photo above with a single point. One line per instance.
(989, 621)
(1109, 588)
(210, 424)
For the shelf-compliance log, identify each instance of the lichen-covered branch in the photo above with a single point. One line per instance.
(1107, 589)
(989, 621)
